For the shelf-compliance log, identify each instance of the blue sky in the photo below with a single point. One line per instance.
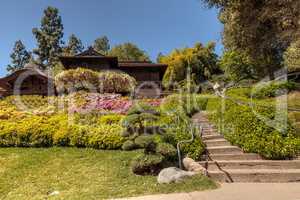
(155, 26)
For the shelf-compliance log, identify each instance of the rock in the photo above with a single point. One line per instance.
(191, 165)
(173, 174)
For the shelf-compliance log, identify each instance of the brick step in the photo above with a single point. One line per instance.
(259, 175)
(243, 156)
(251, 164)
(224, 150)
(217, 142)
(212, 137)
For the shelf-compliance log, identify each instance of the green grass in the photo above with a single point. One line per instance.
(79, 174)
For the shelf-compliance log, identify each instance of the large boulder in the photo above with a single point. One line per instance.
(173, 174)
(191, 165)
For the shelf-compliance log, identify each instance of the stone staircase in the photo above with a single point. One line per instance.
(228, 163)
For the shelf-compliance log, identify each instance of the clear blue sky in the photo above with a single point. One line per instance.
(155, 26)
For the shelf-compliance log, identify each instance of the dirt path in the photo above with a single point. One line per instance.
(238, 191)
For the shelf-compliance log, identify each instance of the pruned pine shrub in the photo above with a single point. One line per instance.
(147, 164)
(167, 150)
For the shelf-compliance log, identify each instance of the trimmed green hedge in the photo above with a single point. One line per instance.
(41, 131)
(244, 126)
(273, 89)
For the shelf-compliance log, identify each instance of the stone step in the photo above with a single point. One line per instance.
(217, 142)
(224, 150)
(251, 164)
(243, 156)
(258, 175)
(212, 137)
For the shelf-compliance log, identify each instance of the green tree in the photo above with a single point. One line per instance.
(74, 46)
(237, 66)
(19, 57)
(292, 57)
(262, 29)
(102, 45)
(49, 38)
(129, 52)
(200, 61)
(159, 57)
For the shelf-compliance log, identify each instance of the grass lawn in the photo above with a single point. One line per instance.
(79, 174)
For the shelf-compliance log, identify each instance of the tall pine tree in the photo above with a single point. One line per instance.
(74, 46)
(102, 45)
(49, 38)
(19, 57)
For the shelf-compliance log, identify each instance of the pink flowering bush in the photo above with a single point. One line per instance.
(106, 103)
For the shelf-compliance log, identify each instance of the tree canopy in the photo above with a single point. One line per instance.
(237, 66)
(292, 57)
(102, 45)
(74, 46)
(19, 57)
(263, 29)
(129, 52)
(49, 38)
(200, 60)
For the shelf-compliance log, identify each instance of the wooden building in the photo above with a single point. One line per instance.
(27, 81)
(142, 71)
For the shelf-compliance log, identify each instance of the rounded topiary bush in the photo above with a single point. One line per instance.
(116, 82)
(147, 164)
(129, 145)
(167, 150)
(77, 79)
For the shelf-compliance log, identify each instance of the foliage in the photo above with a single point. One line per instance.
(167, 150)
(102, 45)
(74, 46)
(200, 61)
(129, 145)
(175, 113)
(49, 38)
(273, 89)
(237, 65)
(292, 57)
(100, 103)
(111, 119)
(138, 118)
(129, 52)
(46, 131)
(244, 128)
(116, 82)
(147, 164)
(77, 79)
(19, 57)
(263, 29)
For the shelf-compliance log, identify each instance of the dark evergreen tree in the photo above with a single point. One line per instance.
(74, 46)
(102, 45)
(19, 57)
(49, 38)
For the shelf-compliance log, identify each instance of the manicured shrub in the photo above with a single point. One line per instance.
(273, 89)
(167, 150)
(129, 145)
(39, 131)
(139, 118)
(77, 79)
(147, 164)
(246, 127)
(116, 82)
(111, 119)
